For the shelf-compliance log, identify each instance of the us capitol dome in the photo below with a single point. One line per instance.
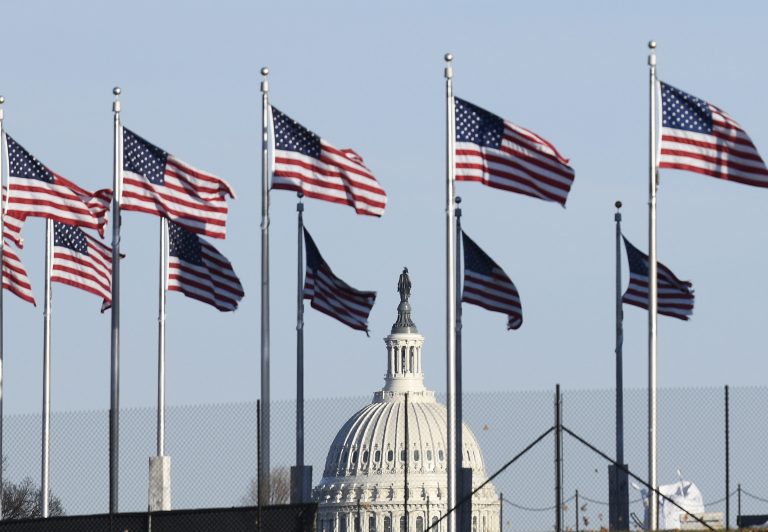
(365, 470)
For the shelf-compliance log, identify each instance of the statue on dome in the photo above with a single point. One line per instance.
(404, 285)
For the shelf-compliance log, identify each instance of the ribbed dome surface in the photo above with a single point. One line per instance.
(373, 440)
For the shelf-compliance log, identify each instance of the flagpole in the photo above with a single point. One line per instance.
(114, 406)
(653, 296)
(160, 465)
(619, 346)
(450, 296)
(264, 478)
(3, 207)
(461, 489)
(46, 436)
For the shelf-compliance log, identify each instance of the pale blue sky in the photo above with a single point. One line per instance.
(369, 76)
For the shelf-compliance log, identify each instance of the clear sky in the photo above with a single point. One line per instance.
(369, 76)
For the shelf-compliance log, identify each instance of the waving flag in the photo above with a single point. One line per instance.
(15, 277)
(499, 154)
(305, 162)
(37, 191)
(198, 270)
(698, 137)
(675, 296)
(158, 183)
(332, 296)
(486, 285)
(81, 261)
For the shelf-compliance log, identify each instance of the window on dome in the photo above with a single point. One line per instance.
(419, 524)
(354, 457)
(372, 523)
(387, 524)
(377, 456)
(412, 366)
(402, 455)
(416, 455)
(429, 455)
(474, 523)
(440, 455)
(345, 456)
(343, 523)
(403, 524)
(390, 455)
(434, 524)
(365, 457)
(402, 360)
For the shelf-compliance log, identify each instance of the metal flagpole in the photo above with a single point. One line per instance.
(160, 465)
(3, 207)
(114, 405)
(46, 437)
(264, 478)
(463, 476)
(407, 464)
(653, 297)
(450, 296)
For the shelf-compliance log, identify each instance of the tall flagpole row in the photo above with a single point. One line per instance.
(461, 489)
(653, 294)
(619, 346)
(300, 336)
(114, 405)
(265, 355)
(3, 207)
(450, 295)
(46, 435)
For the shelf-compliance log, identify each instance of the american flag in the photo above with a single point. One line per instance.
(332, 296)
(305, 162)
(15, 276)
(698, 137)
(486, 285)
(198, 270)
(35, 190)
(81, 261)
(499, 154)
(675, 297)
(156, 182)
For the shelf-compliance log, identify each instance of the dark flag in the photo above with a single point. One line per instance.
(35, 190)
(81, 261)
(698, 137)
(499, 154)
(156, 182)
(486, 284)
(332, 296)
(198, 270)
(675, 296)
(304, 162)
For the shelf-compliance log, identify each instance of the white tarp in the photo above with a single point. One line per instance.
(685, 493)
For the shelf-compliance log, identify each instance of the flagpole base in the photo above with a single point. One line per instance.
(301, 484)
(159, 483)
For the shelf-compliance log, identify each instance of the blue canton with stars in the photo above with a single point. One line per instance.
(143, 158)
(184, 245)
(475, 259)
(70, 236)
(292, 136)
(680, 110)
(638, 261)
(477, 125)
(22, 164)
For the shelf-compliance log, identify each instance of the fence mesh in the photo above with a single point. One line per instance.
(213, 449)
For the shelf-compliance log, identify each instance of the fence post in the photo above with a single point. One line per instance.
(558, 462)
(501, 512)
(739, 502)
(577, 510)
(727, 462)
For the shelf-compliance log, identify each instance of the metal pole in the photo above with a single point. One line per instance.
(265, 358)
(407, 453)
(163, 287)
(619, 346)
(300, 337)
(738, 502)
(558, 463)
(727, 461)
(577, 510)
(653, 299)
(259, 501)
(3, 207)
(358, 525)
(428, 523)
(114, 404)
(461, 490)
(46, 437)
(501, 512)
(452, 429)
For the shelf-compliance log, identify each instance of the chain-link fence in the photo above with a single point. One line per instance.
(213, 450)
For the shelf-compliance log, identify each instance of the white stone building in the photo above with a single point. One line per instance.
(365, 471)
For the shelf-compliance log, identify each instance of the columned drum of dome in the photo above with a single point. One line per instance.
(365, 467)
